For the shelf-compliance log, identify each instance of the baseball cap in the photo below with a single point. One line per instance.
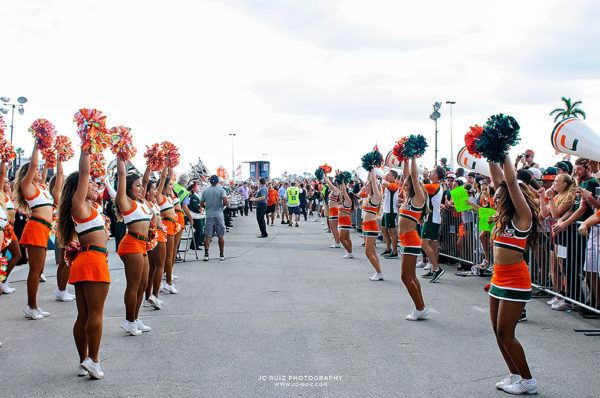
(550, 174)
(564, 166)
(450, 175)
(214, 180)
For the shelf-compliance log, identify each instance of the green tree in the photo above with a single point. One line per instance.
(571, 109)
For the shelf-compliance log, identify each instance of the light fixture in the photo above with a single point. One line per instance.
(4, 99)
(21, 110)
(21, 100)
(4, 110)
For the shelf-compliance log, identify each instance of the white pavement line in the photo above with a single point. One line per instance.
(483, 310)
(434, 310)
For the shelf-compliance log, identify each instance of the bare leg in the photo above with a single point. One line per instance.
(160, 252)
(37, 258)
(151, 270)
(79, 332)
(142, 286)
(431, 250)
(333, 225)
(15, 252)
(409, 278)
(387, 239)
(169, 258)
(95, 295)
(134, 267)
(345, 240)
(370, 253)
(62, 272)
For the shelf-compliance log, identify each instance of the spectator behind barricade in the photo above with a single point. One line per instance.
(548, 177)
(471, 177)
(592, 261)
(595, 168)
(556, 201)
(585, 205)
(525, 161)
(460, 172)
(563, 167)
(196, 214)
(485, 199)
(527, 177)
(444, 164)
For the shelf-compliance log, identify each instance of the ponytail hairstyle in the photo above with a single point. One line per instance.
(20, 202)
(66, 227)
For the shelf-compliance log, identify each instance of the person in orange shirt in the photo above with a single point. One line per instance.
(272, 199)
(388, 221)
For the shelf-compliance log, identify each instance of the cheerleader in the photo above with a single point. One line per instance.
(157, 255)
(516, 228)
(167, 213)
(179, 228)
(32, 197)
(13, 247)
(132, 249)
(345, 220)
(410, 214)
(369, 224)
(333, 211)
(78, 218)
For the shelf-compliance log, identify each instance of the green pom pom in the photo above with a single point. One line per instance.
(414, 146)
(371, 160)
(344, 176)
(319, 173)
(500, 133)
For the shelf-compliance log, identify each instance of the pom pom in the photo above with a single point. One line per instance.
(54, 220)
(487, 287)
(7, 151)
(398, 150)
(8, 233)
(2, 126)
(371, 160)
(91, 128)
(414, 146)
(155, 157)
(319, 174)
(97, 165)
(471, 139)
(64, 148)
(171, 153)
(499, 134)
(71, 252)
(3, 269)
(49, 155)
(326, 168)
(121, 143)
(344, 176)
(152, 237)
(44, 132)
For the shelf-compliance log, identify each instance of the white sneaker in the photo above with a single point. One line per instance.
(174, 277)
(171, 288)
(349, 255)
(140, 325)
(41, 311)
(522, 387)
(131, 328)
(93, 368)
(377, 277)
(415, 315)
(420, 263)
(508, 380)
(322, 222)
(427, 267)
(561, 305)
(62, 295)
(155, 302)
(81, 371)
(335, 245)
(222, 257)
(146, 303)
(6, 289)
(163, 288)
(43, 277)
(552, 300)
(32, 313)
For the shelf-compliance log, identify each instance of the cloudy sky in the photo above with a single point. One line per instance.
(300, 82)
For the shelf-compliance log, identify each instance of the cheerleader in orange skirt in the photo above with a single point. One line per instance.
(168, 215)
(13, 247)
(79, 219)
(345, 219)
(158, 254)
(32, 197)
(369, 225)
(334, 209)
(132, 249)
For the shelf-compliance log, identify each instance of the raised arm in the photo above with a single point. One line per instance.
(331, 185)
(145, 180)
(161, 185)
(30, 175)
(78, 207)
(2, 175)
(60, 180)
(496, 174)
(376, 193)
(405, 169)
(345, 192)
(122, 200)
(419, 198)
(521, 207)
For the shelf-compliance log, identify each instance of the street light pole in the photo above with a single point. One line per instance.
(6, 101)
(451, 136)
(435, 116)
(232, 162)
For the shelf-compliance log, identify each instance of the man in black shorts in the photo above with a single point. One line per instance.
(388, 222)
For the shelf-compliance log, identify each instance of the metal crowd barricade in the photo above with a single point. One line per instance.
(565, 265)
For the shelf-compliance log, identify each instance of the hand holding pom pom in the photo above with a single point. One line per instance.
(500, 133)
(64, 148)
(326, 168)
(172, 154)
(414, 146)
(71, 253)
(471, 139)
(371, 160)
(121, 143)
(344, 176)
(97, 165)
(7, 151)
(487, 287)
(44, 132)
(398, 150)
(49, 155)
(152, 237)
(91, 127)
(155, 157)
